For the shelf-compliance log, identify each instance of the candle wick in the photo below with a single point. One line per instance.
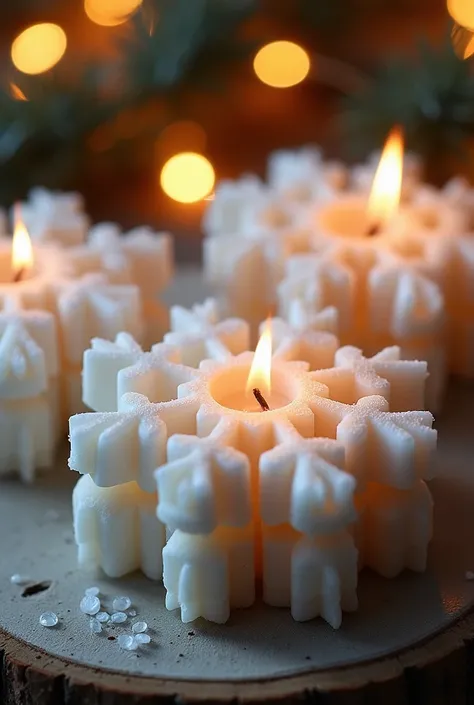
(261, 399)
(374, 230)
(18, 275)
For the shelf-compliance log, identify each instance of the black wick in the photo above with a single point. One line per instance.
(261, 399)
(18, 275)
(374, 230)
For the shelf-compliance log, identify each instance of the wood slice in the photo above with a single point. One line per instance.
(437, 672)
(411, 640)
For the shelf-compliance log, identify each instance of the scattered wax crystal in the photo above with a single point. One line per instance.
(139, 627)
(18, 579)
(90, 604)
(127, 642)
(48, 619)
(94, 591)
(118, 617)
(121, 603)
(103, 617)
(132, 613)
(95, 626)
(142, 638)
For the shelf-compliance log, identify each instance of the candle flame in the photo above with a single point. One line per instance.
(22, 251)
(261, 369)
(387, 184)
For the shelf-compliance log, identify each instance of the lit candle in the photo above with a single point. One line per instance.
(254, 485)
(354, 216)
(22, 251)
(50, 307)
(396, 274)
(390, 254)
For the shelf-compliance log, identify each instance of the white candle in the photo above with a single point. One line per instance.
(200, 334)
(259, 485)
(315, 576)
(109, 367)
(225, 213)
(51, 307)
(400, 518)
(354, 247)
(56, 217)
(401, 382)
(306, 336)
(116, 529)
(140, 257)
(303, 176)
(208, 575)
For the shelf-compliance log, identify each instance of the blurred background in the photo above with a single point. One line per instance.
(100, 95)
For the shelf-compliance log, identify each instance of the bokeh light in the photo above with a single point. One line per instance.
(110, 13)
(281, 64)
(39, 48)
(462, 11)
(187, 177)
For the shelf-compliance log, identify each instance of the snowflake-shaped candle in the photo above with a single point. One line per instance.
(50, 307)
(56, 217)
(389, 252)
(262, 470)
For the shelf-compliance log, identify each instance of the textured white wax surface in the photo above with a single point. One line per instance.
(261, 642)
(396, 288)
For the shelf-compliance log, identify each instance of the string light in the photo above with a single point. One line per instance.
(38, 48)
(110, 13)
(462, 12)
(281, 64)
(187, 177)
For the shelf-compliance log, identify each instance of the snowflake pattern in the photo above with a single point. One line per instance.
(285, 495)
(411, 286)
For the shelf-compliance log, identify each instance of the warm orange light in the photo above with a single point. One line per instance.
(22, 251)
(110, 13)
(469, 48)
(16, 92)
(462, 12)
(281, 64)
(39, 48)
(261, 369)
(187, 177)
(386, 189)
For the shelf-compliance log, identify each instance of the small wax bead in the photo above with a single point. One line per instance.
(132, 613)
(121, 603)
(48, 619)
(118, 617)
(103, 616)
(94, 591)
(127, 642)
(95, 626)
(142, 638)
(18, 579)
(139, 627)
(90, 604)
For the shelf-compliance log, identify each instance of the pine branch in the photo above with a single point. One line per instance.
(431, 97)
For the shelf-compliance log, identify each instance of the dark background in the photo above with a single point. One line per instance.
(242, 120)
